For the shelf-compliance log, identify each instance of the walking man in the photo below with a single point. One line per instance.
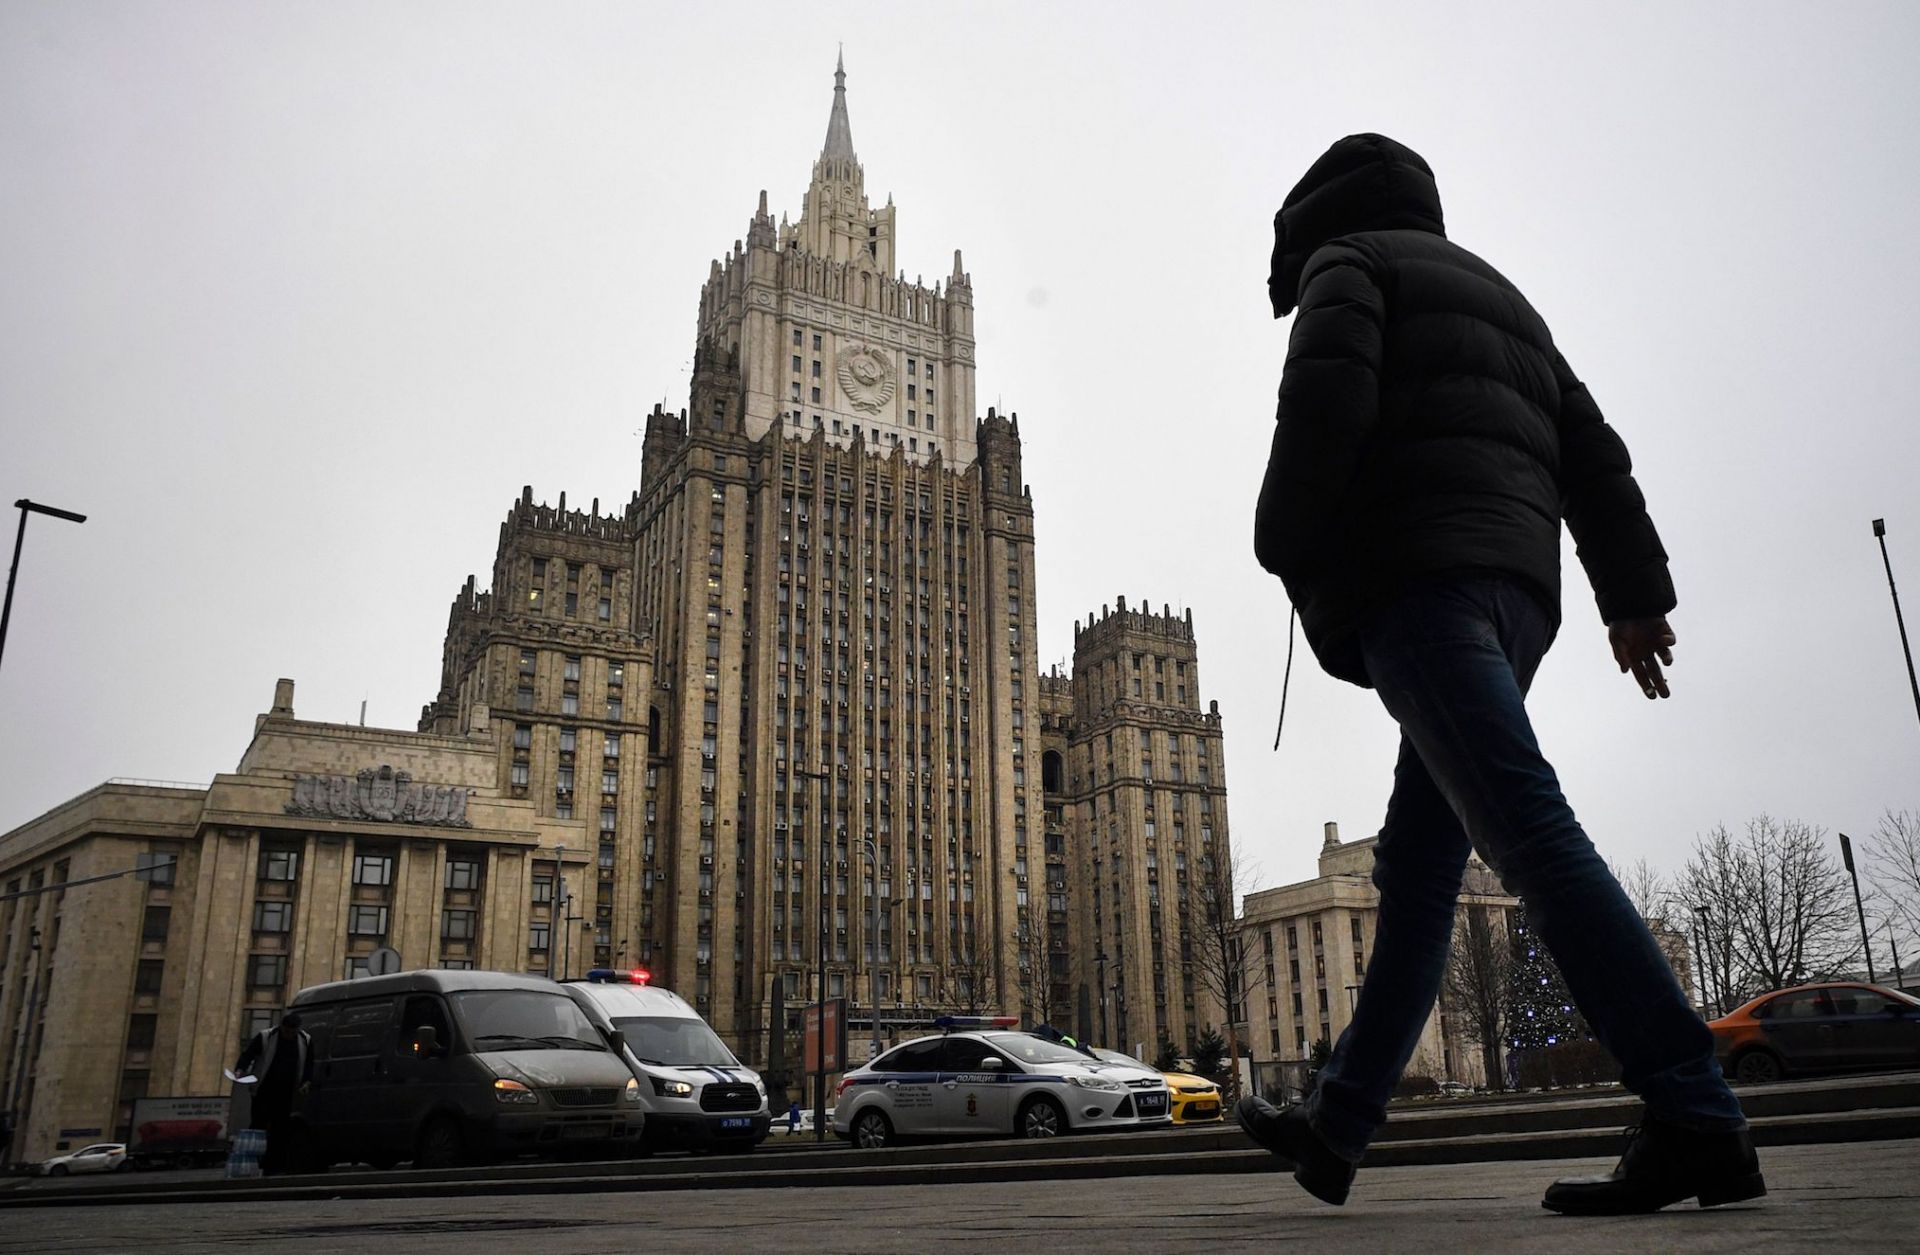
(282, 1058)
(1430, 438)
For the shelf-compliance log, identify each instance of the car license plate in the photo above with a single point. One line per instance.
(737, 1122)
(1153, 1104)
(584, 1132)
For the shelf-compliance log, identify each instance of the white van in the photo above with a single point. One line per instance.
(695, 1093)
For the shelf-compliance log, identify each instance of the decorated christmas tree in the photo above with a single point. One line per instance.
(1540, 1011)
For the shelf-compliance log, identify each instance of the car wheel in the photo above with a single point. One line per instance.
(441, 1145)
(872, 1130)
(58, 1170)
(1758, 1067)
(125, 1165)
(1041, 1117)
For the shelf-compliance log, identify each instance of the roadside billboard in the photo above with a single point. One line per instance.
(834, 1014)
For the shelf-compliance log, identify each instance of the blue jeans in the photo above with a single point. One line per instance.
(1452, 664)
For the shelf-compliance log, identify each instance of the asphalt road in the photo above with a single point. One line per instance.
(1866, 1195)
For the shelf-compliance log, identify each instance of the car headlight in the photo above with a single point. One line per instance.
(633, 1090)
(1097, 1082)
(513, 1091)
(761, 1086)
(672, 1089)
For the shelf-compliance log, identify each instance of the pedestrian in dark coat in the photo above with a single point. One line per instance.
(282, 1059)
(1429, 441)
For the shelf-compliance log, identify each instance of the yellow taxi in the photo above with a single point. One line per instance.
(1196, 1100)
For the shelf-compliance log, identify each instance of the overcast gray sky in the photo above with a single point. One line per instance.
(294, 297)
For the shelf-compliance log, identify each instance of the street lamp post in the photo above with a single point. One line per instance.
(1866, 942)
(872, 851)
(19, 538)
(820, 963)
(1100, 961)
(1880, 531)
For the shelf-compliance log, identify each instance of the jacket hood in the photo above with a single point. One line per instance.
(1362, 183)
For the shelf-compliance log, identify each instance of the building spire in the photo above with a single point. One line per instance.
(839, 133)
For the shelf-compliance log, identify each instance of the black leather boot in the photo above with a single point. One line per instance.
(1287, 1134)
(1665, 1164)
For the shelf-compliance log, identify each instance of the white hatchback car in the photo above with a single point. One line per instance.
(993, 1083)
(99, 1157)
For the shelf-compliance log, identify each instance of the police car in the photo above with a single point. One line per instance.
(696, 1095)
(979, 1077)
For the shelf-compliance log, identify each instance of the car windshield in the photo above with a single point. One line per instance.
(674, 1042)
(524, 1019)
(1026, 1048)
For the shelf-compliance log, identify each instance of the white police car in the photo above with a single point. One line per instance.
(979, 1078)
(696, 1095)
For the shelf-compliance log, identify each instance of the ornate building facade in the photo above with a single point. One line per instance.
(776, 724)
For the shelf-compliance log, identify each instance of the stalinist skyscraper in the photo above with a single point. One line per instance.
(821, 598)
(800, 662)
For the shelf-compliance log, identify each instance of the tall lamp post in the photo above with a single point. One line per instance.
(26, 507)
(820, 963)
(1866, 942)
(1880, 531)
(1100, 962)
(872, 851)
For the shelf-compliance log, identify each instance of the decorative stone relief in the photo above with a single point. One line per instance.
(866, 377)
(382, 794)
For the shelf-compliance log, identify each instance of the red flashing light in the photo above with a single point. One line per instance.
(610, 976)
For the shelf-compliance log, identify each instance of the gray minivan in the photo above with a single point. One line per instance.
(450, 1067)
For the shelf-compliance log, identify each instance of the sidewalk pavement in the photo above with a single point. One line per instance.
(1865, 1195)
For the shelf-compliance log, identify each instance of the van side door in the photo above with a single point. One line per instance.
(352, 1086)
(423, 1079)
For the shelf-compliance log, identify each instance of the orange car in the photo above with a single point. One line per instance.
(1838, 1026)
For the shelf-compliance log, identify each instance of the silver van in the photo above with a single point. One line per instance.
(696, 1094)
(446, 1067)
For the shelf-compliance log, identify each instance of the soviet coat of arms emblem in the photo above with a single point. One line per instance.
(866, 377)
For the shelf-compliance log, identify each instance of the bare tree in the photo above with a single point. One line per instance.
(1709, 891)
(1219, 965)
(1770, 908)
(1893, 870)
(1475, 982)
(1654, 900)
(1042, 998)
(971, 985)
(1648, 892)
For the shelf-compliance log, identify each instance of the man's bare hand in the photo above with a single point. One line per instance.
(1643, 646)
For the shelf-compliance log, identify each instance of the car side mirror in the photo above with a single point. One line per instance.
(616, 1040)
(991, 1064)
(425, 1043)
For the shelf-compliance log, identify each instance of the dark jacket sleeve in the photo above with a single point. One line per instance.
(1605, 510)
(248, 1057)
(1329, 406)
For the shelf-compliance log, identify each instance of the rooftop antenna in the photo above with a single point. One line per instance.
(363, 712)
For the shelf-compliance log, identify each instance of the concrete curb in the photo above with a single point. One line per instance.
(1066, 1160)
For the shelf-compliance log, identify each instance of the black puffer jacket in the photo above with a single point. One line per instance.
(1428, 429)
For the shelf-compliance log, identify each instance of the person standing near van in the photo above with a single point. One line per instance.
(793, 1117)
(282, 1059)
(1429, 441)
